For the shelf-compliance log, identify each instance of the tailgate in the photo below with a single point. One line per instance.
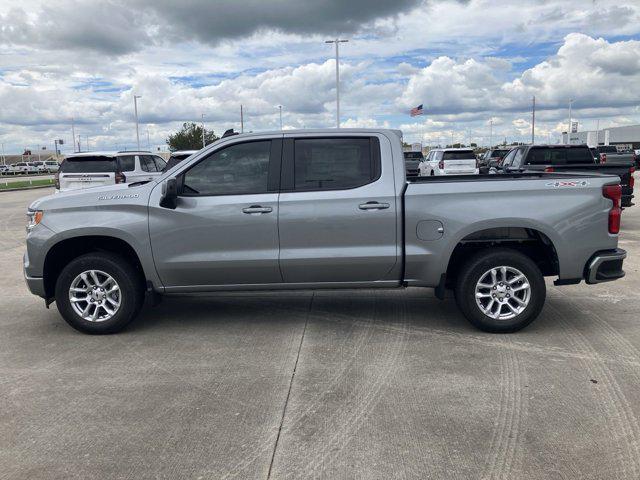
(459, 165)
(75, 181)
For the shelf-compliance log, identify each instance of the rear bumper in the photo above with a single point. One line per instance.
(605, 266)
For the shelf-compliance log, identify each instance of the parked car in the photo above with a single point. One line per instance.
(609, 154)
(51, 166)
(23, 168)
(321, 209)
(4, 169)
(96, 169)
(491, 158)
(568, 158)
(412, 162)
(38, 167)
(178, 156)
(449, 161)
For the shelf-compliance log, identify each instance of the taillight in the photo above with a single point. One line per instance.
(120, 178)
(56, 180)
(441, 164)
(603, 158)
(549, 169)
(613, 193)
(632, 180)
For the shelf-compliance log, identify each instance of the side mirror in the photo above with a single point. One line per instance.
(169, 197)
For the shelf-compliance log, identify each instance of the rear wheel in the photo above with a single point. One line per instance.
(99, 293)
(500, 290)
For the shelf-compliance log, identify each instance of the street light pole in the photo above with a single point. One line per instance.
(533, 121)
(135, 109)
(203, 145)
(280, 108)
(337, 41)
(491, 133)
(73, 133)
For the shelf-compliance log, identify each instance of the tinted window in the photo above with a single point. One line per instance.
(336, 163)
(160, 163)
(509, 158)
(88, 165)
(127, 163)
(498, 153)
(459, 155)
(559, 156)
(608, 149)
(413, 156)
(147, 164)
(240, 168)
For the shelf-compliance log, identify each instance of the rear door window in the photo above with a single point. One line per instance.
(160, 163)
(96, 164)
(335, 163)
(127, 163)
(147, 164)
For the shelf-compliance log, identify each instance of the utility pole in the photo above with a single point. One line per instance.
(203, 144)
(490, 133)
(533, 122)
(337, 41)
(241, 120)
(280, 108)
(598, 133)
(570, 118)
(135, 110)
(73, 134)
(148, 142)
(4, 158)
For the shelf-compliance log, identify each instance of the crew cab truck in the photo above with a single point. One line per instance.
(319, 209)
(568, 158)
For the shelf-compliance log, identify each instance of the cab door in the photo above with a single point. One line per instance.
(224, 230)
(337, 210)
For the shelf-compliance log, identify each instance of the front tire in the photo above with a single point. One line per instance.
(500, 290)
(99, 293)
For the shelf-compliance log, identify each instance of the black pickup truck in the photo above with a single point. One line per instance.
(568, 158)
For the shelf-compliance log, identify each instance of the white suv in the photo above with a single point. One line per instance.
(95, 169)
(449, 161)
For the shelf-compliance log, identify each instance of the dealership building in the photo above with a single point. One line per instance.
(627, 137)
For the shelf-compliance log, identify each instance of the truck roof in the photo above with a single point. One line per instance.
(322, 131)
(107, 153)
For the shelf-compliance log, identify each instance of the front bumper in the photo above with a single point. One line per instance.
(605, 266)
(35, 284)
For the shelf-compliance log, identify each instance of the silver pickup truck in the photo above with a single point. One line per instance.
(321, 209)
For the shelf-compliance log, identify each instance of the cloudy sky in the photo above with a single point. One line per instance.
(469, 62)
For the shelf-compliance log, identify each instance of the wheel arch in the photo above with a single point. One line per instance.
(66, 250)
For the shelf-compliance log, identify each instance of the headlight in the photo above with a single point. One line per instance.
(35, 217)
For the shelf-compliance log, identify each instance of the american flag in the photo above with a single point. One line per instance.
(416, 111)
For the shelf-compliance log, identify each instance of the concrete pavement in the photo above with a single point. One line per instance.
(349, 384)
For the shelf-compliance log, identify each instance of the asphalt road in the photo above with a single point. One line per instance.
(350, 384)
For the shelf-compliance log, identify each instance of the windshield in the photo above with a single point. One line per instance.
(88, 165)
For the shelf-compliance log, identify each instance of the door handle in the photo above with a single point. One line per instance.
(373, 206)
(257, 209)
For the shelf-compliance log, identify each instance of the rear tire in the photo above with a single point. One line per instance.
(99, 293)
(500, 290)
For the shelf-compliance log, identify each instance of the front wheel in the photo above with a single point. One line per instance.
(99, 293)
(500, 290)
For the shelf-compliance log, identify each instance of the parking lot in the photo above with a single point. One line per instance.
(326, 384)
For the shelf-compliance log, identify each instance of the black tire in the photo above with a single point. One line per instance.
(130, 285)
(476, 268)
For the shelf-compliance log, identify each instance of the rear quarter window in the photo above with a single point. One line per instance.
(88, 165)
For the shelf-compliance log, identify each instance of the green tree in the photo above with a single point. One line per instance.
(190, 137)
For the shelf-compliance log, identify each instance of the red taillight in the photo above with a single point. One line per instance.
(603, 158)
(632, 180)
(549, 170)
(120, 178)
(613, 193)
(56, 179)
(441, 164)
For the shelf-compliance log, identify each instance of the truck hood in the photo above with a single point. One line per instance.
(124, 193)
